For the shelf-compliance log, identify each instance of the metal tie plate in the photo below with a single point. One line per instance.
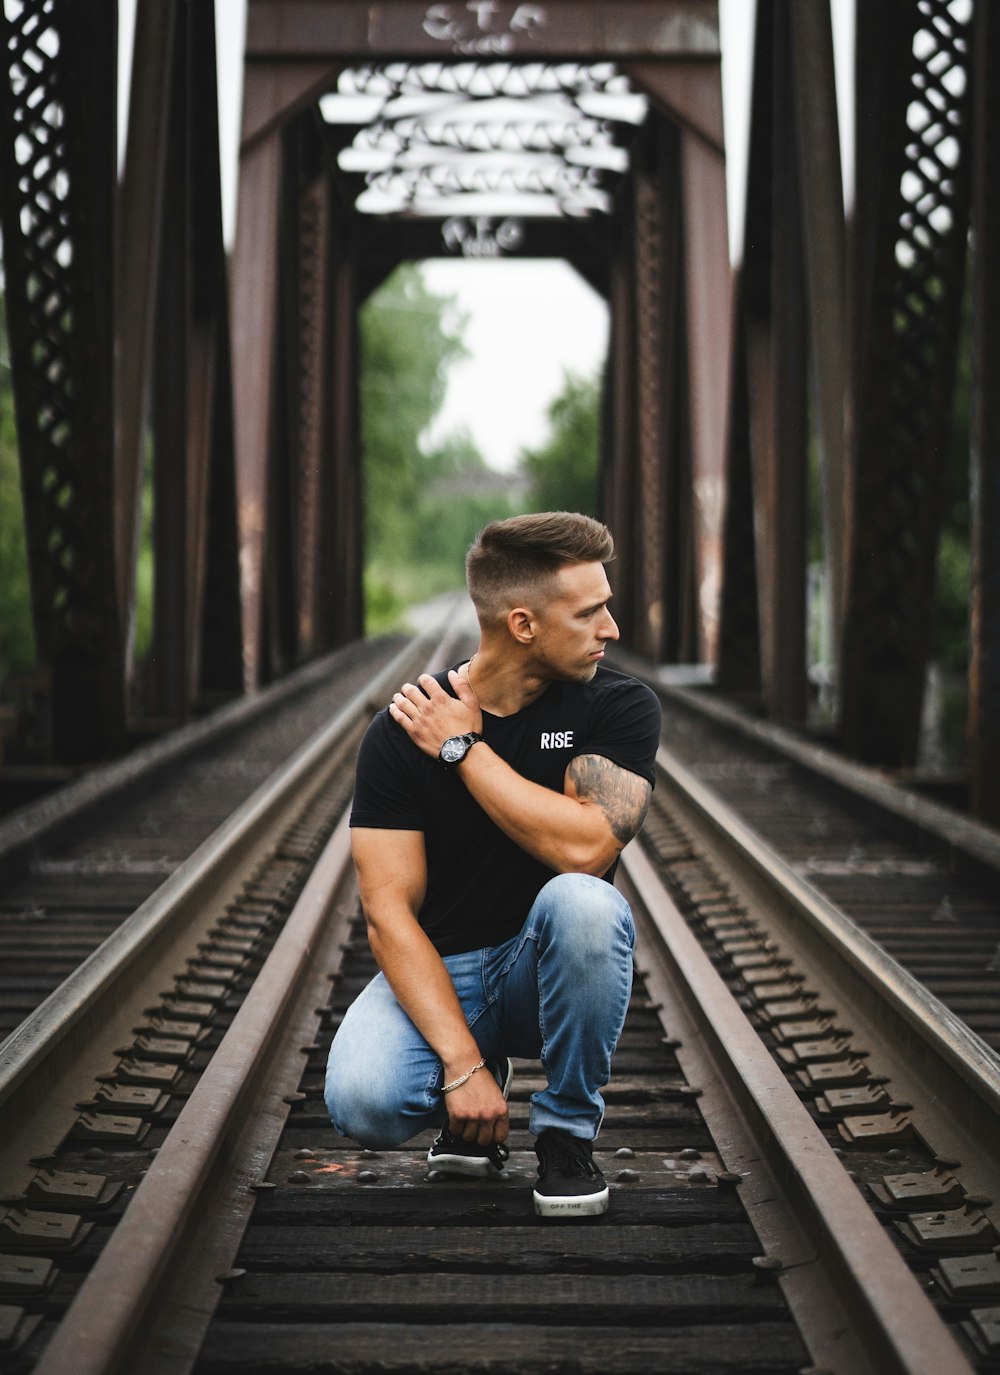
(93, 1127)
(926, 1189)
(967, 1229)
(23, 1276)
(840, 1102)
(875, 1128)
(28, 1229)
(72, 1189)
(970, 1279)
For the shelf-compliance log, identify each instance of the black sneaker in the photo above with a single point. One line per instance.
(452, 1155)
(569, 1183)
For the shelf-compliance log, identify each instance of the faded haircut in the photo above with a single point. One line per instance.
(513, 561)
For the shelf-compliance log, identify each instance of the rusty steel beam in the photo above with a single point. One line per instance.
(254, 291)
(618, 462)
(139, 221)
(907, 261)
(984, 669)
(708, 297)
(192, 332)
(774, 322)
(738, 669)
(663, 460)
(307, 364)
(501, 30)
(689, 94)
(342, 605)
(57, 189)
(824, 242)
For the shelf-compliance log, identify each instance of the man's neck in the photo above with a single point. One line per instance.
(502, 685)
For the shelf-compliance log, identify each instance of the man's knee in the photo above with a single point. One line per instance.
(588, 913)
(370, 1110)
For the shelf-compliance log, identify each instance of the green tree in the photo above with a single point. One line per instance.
(461, 493)
(562, 474)
(409, 336)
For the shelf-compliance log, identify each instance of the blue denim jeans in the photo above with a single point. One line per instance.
(558, 991)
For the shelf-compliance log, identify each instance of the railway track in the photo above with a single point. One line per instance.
(76, 864)
(762, 1219)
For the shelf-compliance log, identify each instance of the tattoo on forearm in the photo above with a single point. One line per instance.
(622, 796)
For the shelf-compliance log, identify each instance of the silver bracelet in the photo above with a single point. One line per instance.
(457, 1083)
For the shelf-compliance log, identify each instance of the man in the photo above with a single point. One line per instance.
(491, 805)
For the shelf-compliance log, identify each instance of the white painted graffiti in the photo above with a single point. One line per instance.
(481, 28)
(482, 237)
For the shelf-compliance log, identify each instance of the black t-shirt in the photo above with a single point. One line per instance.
(480, 885)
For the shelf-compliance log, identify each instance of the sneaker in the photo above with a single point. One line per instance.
(452, 1155)
(569, 1183)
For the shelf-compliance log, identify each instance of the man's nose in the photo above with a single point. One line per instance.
(609, 631)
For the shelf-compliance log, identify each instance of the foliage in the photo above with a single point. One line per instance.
(422, 507)
(406, 347)
(562, 474)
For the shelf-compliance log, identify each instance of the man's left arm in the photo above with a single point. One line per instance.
(581, 830)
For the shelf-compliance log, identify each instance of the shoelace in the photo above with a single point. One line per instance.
(496, 1154)
(558, 1154)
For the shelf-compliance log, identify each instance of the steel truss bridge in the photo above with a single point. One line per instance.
(374, 134)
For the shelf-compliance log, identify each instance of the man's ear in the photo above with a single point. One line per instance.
(521, 624)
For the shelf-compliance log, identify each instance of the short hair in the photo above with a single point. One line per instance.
(512, 560)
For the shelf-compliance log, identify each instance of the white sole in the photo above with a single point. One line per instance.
(461, 1164)
(584, 1205)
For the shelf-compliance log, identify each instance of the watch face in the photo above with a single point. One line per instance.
(454, 749)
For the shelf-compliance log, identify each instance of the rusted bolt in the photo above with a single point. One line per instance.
(304, 1154)
(264, 1186)
(627, 1176)
(228, 1276)
(690, 1153)
(366, 1154)
(691, 1091)
(768, 1262)
(294, 1098)
(299, 1177)
(699, 1175)
(895, 1154)
(624, 1153)
(369, 1177)
(728, 1178)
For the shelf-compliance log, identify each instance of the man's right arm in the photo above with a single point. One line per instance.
(392, 876)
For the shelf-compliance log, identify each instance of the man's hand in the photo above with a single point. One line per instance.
(477, 1112)
(429, 715)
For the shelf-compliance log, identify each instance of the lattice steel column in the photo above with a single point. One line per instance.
(618, 499)
(341, 570)
(984, 681)
(191, 337)
(307, 372)
(57, 181)
(652, 296)
(739, 621)
(910, 236)
(773, 291)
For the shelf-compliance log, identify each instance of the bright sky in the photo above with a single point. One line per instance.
(529, 322)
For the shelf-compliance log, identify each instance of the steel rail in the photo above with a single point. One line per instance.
(931, 1056)
(148, 1299)
(857, 1305)
(965, 835)
(40, 822)
(78, 1026)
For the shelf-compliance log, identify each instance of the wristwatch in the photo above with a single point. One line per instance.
(456, 747)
